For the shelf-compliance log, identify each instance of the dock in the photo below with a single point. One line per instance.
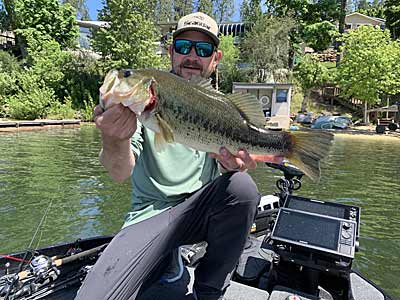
(6, 125)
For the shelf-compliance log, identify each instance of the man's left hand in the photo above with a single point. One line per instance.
(242, 160)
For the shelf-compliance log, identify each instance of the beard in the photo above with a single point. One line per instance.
(186, 65)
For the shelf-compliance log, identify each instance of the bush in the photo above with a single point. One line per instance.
(86, 114)
(9, 68)
(32, 101)
(82, 80)
(59, 111)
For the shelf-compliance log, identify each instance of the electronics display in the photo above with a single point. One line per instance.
(316, 232)
(336, 210)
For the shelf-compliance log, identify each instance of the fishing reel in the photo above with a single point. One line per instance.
(40, 271)
(43, 269)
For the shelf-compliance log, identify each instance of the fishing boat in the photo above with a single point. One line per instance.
(299, 248)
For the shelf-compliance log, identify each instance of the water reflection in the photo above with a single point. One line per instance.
(61, 166)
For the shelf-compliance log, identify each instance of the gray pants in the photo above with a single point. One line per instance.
(220, 213)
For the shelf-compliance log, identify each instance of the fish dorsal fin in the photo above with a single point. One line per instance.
(250, 108)
(200, 81)
(164, 136)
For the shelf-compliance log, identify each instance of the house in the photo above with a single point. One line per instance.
(274, 98)
(355, 19)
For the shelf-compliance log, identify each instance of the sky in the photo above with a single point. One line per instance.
(94, 6)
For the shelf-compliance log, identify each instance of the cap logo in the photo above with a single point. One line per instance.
(196, 23)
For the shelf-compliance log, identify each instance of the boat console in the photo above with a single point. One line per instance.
(310, 239)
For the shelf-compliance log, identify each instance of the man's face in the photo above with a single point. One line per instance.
(191, 64)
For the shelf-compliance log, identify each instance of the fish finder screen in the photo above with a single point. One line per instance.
(316, 207)
(308, 229)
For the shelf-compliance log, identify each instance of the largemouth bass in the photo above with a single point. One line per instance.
(193, 113)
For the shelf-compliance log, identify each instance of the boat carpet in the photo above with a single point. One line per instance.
(182, 290)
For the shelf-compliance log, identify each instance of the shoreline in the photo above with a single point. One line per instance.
(47, 124)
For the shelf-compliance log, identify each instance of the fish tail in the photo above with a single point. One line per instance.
(309, 147)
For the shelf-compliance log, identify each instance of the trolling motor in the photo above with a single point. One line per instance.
(290, 182)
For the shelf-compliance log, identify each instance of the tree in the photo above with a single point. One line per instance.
(392, 14)
(369, 66)
(131, 38)
(182, 8)
(80, 7)
(310, 73)
(250, 11)
(228, 70)
(164, 11)
(372, 9)
(266, 46)
(4, 19)
(319, 36)
(223, 10)
(46, 17)
(205, 6)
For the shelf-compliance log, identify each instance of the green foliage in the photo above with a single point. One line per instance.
(182, 8)
(267, 46)
(33, 99)
(61, 111)
(205, 6)
(163, 11)
(80, 7)
(46, 17)
(250, 11)
(82, 79)
(369, 65)
(310, 73)
(319, 36)
(9, 70)
(4, 19)
(45, 57)
(392, 15)
(228, 67)
(131, 38)
(375, 10)
(223, 10)
(86, 113)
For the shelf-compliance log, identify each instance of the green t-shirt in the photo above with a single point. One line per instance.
(163, 179)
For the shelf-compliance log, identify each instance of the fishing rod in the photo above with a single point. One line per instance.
(29, 250)
(44, 271)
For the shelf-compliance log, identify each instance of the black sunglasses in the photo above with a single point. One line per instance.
(203, 49)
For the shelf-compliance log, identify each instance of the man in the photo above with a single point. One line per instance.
(179, 194)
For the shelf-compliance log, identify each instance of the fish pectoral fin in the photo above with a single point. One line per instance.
(200, 81)
(249, 107)
(164, 136)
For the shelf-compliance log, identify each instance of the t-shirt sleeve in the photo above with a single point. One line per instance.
(137, 140)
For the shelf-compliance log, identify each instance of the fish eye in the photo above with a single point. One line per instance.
(127, 73)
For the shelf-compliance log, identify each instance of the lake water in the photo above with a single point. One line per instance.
(59, 170)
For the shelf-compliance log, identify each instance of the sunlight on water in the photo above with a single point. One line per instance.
(61, 167)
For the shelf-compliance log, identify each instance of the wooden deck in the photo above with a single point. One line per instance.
(6, 126)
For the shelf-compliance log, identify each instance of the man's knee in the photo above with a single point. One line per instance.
(243, 188)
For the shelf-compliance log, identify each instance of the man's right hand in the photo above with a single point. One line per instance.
(117, 125)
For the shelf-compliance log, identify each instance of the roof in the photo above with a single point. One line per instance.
(367, 17)
(233, 28)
